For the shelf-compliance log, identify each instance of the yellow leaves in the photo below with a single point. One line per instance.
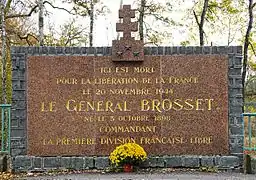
(6, 176)
(128, 153)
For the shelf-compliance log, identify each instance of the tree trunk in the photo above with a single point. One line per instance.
(41, 22)
(247, 42)
(141, 18)
(91, 13)
(118, 33)
(3, 52)
(201, 24)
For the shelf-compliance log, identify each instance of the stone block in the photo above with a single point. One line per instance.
(189, 50)
(52, 50)
(175, 50)
(65, 162)
(14, 123)
(22, 163)
(238, 60)
(76, 50)
(91, 51)
(173, 161)
(215, 50)
(160, 50)
(190, 161)
(99, 51)
(222, 49)
(13, 50)
(239, 49)
(154, 51)
(59, 50)
(206, 50)
(18, 85)
(156, 162)
(21, 64)
(23, 49)
(18, 114)
(236, 129)
(31, 50)
(198, 50)
(182, 50)
(234, 71)
(231, 49)
(19, 95)
(168, 51)
(88, 162)
(236, 139)
(18, 143)
(77, 163)
(207, 161)
(83, 50)
(236, 148)
(18, 132)
(108, 51)
(145, 164)
(147, 50)
(101, 162)
(67, 50)
(51, 162)
(37, 163)
(227, 162)
(44, 50)
(18, 152)
(19, 104)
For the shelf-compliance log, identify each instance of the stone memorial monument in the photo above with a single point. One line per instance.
(73, 105)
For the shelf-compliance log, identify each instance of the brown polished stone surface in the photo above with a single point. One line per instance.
(171, 105)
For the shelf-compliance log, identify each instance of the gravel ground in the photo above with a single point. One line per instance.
(147, 176)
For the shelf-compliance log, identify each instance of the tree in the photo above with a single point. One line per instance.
(41, 22)
(201, 22)
(90, 8)
(222, 22)
(247, 40)
(141, 18)
(16, 30)
(157, 12)
(71, 35)
(3, 35)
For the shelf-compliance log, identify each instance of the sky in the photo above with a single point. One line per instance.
(104, 29)
(105, 32)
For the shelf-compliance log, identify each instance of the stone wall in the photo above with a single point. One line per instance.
(19, 112)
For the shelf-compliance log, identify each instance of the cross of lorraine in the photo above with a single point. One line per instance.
(127, 48)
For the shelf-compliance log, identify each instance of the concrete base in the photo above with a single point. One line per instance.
(32, 163)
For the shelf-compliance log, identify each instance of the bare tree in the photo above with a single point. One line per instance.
(141, 18)
(41, 22)
(156, 11)
(247, 40)
(91, 13)
(118, 33)
(89, 8)
(34, 9)
(200, 23)
(71, 34)
(3, 34)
